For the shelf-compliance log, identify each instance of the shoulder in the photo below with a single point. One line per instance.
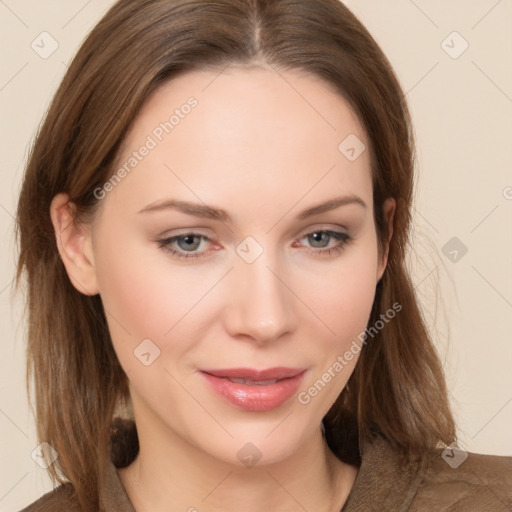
(447, 481)
(456, 480)
(61, 498)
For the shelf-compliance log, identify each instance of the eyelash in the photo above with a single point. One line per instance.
(343, 239)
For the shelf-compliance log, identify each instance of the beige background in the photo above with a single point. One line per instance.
(462, 110)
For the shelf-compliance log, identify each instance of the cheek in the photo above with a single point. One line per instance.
(342, 299)
(146, 296)
(342, 293)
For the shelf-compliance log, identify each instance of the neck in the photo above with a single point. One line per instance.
(170, 474)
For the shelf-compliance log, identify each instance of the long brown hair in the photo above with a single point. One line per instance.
(397, 387)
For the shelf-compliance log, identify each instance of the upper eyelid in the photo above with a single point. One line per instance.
(308, 231)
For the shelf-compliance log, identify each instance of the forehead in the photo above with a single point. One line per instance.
(259, 133)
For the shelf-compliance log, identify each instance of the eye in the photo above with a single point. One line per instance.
(186, 244)
(321, 240)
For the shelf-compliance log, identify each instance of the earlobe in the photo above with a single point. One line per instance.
(388, 210)
(74, 243)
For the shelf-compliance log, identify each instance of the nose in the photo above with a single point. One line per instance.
(261, 307)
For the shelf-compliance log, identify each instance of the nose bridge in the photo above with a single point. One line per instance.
(261, 306)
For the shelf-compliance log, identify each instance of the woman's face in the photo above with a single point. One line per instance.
(268, 258)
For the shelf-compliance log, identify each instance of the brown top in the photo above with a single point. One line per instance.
(480, 483)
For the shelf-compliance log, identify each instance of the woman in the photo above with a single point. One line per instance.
(213, 225)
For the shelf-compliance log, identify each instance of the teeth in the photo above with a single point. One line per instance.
(254, 382)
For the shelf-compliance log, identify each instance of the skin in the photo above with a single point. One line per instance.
(264, 149)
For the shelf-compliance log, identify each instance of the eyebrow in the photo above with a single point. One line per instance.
(210, 212)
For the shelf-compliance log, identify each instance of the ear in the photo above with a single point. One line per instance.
(74, 242)
(388, 210)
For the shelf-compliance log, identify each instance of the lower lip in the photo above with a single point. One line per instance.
(253, 397)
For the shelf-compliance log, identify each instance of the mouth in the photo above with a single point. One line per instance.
(255, 390)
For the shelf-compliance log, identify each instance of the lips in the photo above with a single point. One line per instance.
(255, 390)
(256, 375)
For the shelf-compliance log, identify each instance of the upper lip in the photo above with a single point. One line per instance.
(255, 374)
